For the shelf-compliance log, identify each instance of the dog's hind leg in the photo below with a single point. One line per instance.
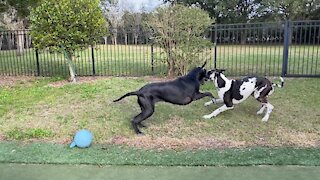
(263, 107)
(265, 104)
(147, 109)
(269, 110)
(142, 110)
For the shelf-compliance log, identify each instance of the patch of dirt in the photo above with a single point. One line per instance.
(9, 81)
(300, 139)
(92, 79)
(161, 143)
(2, 137)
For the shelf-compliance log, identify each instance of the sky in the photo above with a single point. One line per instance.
(137, 5)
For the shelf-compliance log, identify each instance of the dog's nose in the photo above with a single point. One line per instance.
(208, 74)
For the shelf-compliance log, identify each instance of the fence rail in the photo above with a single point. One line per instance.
(289, 48)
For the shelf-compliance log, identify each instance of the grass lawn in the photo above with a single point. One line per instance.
(39, 116)
(50, 110)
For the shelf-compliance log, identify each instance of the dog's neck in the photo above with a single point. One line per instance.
(195, 73)
(221, 80)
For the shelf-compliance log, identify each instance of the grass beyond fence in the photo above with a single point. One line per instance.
(140, 60)
(110, 60)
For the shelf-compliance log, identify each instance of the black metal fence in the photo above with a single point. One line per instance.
(289, 48)
(285, 48)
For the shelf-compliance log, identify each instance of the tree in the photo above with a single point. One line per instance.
(207, 5)
(179, 31)
(19, 12)
(14, 16)
(230, 11)
(114, 14)
(281, 10)
(74, 25)
(235, 11)
(133, 24)
(1, 36)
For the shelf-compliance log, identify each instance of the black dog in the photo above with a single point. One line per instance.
(180, 91)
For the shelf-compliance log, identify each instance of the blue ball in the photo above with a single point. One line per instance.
(82, 139)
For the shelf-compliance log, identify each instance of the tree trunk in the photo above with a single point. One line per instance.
(115, 40)
(126, 38)
(10, 39)
(20, 42)
(115, 35)
(243, 36)
(136, 39)
(28, 41)
(1, 40)
(172, 69)
(105, 40)
(72, 74)
(71, 68)
(171, 65)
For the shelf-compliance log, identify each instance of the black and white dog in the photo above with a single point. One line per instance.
(232, 92)
(180, 91)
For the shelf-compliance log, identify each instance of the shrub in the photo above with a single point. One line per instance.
(179, 30)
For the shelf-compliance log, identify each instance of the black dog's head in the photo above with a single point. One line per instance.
(202, 77)
(200, 73)
(214, 73)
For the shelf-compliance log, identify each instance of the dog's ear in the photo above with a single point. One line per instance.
(220, 70)
(204, 64)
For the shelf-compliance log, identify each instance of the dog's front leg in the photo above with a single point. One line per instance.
(202, 95)
(217, 111)
(213, 101)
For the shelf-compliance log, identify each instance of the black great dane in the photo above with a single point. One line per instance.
(180, 91)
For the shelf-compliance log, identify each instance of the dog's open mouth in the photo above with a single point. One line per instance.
(207, 77)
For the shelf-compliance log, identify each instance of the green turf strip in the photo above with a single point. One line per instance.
(70, 172)
(46, 153)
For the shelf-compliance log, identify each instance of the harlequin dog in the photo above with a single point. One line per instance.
(232, 92)
(180, 91)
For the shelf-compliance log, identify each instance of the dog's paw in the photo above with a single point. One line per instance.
(259, 112)
(142, 125)
(207, 116)
(265, 119)
(140, 134)
(208, 103)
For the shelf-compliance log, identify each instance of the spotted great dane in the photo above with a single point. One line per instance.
(232, 92)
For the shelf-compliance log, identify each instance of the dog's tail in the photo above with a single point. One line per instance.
(279, 85)
(128, 94)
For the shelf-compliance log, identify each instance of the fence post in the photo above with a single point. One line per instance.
(37, 61)
(215, 46)
(92, 58)
(152, 60)
(285, 49)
